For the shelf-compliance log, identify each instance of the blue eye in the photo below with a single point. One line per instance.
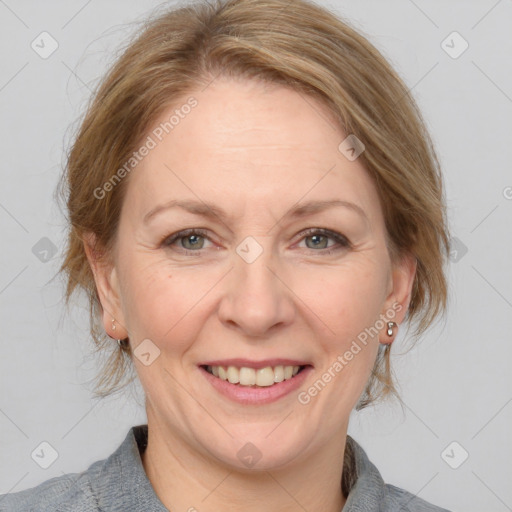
(192, 240)
(320, 237)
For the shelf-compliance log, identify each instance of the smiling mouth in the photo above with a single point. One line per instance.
(250, 377)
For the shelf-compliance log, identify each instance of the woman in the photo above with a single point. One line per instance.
(255, 210)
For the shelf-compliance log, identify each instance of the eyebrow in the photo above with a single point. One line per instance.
(211, 211)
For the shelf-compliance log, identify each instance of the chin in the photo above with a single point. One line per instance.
(257, 451)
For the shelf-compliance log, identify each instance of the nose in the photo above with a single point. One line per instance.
(256, 299)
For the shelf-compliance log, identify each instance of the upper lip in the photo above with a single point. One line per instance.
(247, 363)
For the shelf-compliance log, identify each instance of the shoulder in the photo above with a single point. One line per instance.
(369, 493)
(59, 494)
(115, 483)
(399, 499)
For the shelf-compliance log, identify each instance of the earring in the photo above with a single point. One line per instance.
(123, 344)
(391, 325)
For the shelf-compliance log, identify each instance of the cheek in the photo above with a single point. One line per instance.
(349, 303)
(347, 299)
(162, 301)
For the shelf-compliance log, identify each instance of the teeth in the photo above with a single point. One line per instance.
(233, 375)
(278, 374)
(250, 377)
(247, 376)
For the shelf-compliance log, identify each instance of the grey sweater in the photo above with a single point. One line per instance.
(119, 484)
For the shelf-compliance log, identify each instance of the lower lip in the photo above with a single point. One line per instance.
(257, 395)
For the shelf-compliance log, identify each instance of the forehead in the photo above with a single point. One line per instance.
(247, 143)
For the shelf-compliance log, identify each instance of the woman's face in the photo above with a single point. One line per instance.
(274, 274)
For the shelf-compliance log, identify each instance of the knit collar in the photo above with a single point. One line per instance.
(124, 471)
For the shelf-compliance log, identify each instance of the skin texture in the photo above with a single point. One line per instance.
(255, 151)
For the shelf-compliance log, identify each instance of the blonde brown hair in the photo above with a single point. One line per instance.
(302, 46)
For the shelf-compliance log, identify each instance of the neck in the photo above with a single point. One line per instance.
(185, 480)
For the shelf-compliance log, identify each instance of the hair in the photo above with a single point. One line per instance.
(306, 48)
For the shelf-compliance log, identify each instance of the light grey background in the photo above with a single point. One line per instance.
(456, 383)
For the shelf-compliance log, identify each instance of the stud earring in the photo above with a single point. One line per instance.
(391, 325)
(123, 344)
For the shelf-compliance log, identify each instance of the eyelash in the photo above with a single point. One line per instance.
(339, 238)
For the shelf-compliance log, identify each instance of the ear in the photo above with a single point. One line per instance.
(397, 302)
(107, 286)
